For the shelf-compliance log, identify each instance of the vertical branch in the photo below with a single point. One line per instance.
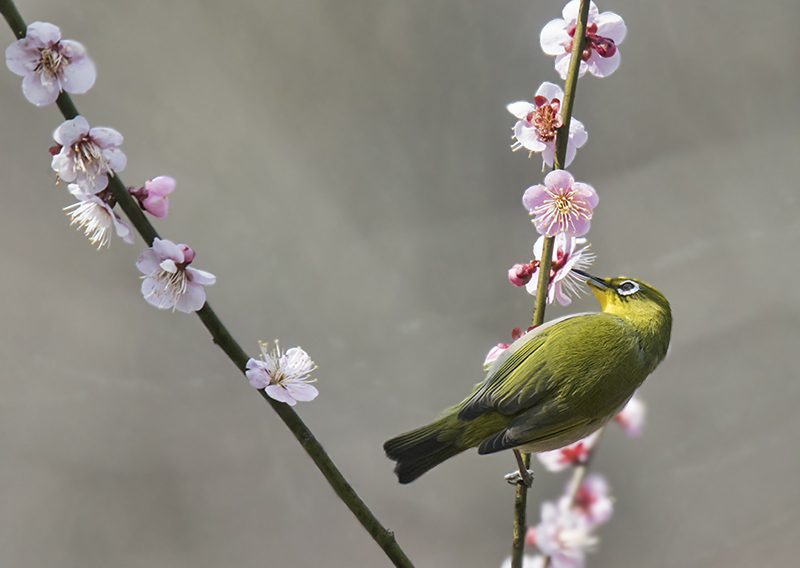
(578, 45)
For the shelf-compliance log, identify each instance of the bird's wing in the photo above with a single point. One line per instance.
(529, 375)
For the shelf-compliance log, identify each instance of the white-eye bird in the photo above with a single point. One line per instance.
(555, 385)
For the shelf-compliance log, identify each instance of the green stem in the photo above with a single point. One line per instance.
(570, 87)
(220, 335)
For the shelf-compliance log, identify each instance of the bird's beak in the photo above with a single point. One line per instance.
(592, 281)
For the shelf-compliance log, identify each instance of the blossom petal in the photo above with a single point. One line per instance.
(534, 196)
(280, 394)
(520, 109)
(191, 300)
(550, 91)
(167, 249)
(79, 76)
(528, 137)
(301, 391)
(611, 25)
(201, 276)
(256, 373)
(43, 33)
(70, 131)
(558, 179)
(554, 37)
(603, 66)
(37, 92)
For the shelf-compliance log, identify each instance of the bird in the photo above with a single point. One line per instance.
(553, 386)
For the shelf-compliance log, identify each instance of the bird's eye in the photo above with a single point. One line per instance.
(627, 288)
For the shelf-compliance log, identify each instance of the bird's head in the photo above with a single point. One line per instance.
(623, 296)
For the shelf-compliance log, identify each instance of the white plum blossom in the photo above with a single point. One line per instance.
(576, 453)
(96, 213)
(566, 256)
(536, 129)
(592, 500)
(563, 535)
(49, 65)
(284, 376)
(631, 418)
(169, 281)
(603, 33)
(87, 154)
(561, 204)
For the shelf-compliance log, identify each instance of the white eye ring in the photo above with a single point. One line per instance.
(627, 288)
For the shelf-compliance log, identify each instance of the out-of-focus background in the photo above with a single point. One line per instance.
(344, 169)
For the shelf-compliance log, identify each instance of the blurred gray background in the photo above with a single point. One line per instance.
(344, 169)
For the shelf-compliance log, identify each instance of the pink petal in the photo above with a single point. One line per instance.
(528, 137)
(520, 109)
(611, 25)
(71, 130)
(603, 66)
(38, 93)
(79, 75)
(156, 205)
(280, 394)
(577, 133)
(105, 137)
(550, 91)
(117, 160)
(256, 374)
(579, 227)
(534, 196)
(167, 249)
(558, 179)
(160, 186)
(123, 229)
(148, 262)
(191, 300)
(43, 33)
(150, 291)
(587, 193)
(21, 57)
(201, 276)
(554, 37)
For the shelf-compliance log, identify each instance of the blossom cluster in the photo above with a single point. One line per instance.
(86, 158)
(562, 210)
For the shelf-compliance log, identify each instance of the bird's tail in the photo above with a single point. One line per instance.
(424, 448)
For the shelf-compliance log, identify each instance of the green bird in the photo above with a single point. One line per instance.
(555, 385)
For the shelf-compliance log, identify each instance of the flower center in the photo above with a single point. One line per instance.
(604, 46)
(88, 157)
(546, 118)
(562, 208)
(50, 63)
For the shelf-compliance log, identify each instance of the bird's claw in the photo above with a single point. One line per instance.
(519, 478)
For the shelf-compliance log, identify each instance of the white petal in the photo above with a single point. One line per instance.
(554, 37)
(611, 25)
(550, 91)
(602, 66)
(520, 109)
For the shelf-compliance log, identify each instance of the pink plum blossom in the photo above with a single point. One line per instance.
(566, 256)
(631, 418)
(574, 454)
(86, 155)
(603, 32)
(495, 352)
(96, 213)
(592, 500)
(520, 274)
(153, 196)
(536, 129)
(49, 65)
(564, 535)
(284, 376)
(169, 281)
(561, 205)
